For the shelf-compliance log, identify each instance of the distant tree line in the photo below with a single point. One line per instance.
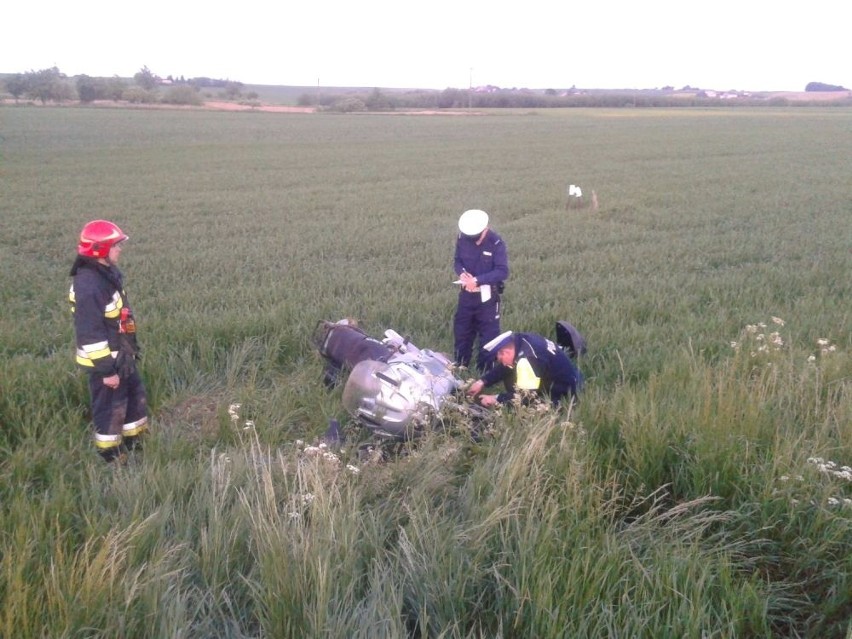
(354, 100)
(51, 85)
(821, 86)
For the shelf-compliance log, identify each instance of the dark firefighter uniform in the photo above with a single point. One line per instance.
(539, 365)
(475, 316)
(106, 345)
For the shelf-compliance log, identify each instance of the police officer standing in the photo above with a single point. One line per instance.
(482, 266)
(527, 361)
(105, 333)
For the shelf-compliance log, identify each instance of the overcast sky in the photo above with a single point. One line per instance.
(752, 45)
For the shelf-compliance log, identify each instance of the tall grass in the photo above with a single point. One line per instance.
(690, 493)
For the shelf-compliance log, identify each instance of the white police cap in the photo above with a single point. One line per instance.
(473, 222)
(499, 342)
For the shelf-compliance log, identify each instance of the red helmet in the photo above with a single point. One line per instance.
(98, 237)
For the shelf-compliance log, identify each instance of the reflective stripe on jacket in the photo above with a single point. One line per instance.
(97, 298)
(539, 365)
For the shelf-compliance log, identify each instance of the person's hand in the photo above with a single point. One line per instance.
(468, 282)
(112, 381)
(488, 400)
(475, 388)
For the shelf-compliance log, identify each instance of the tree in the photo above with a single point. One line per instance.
(378, 101)
(349, 105)
(90, 89)
(138, 95)
(450, 98)
(115, 87)
(821, 86)
(48, 84)
(183, 94)
(145, 79)
(16, 85)
(233, 89)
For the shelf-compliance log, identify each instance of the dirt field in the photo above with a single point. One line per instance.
(268, 108)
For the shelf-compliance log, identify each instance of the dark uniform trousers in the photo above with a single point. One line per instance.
(472, 318)
(119, 414)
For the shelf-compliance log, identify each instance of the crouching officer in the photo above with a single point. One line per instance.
(527, 361)
(481, 264)
(105, 333)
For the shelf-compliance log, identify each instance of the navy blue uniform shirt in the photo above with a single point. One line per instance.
(488, 262)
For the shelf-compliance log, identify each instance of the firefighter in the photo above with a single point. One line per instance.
(527, 361)
(482, 265)
(107, 350)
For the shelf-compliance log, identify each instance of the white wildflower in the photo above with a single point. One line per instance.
(812, 358)
(778, 320)
(307, 498)
(300, 443)
(783, 478)
(833, 501)
(822, 342)
(735, 345)
(353, 469)
(751, 328)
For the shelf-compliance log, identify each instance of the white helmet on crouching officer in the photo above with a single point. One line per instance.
(502, 348)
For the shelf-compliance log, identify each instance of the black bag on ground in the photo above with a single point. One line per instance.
(570, 339)
(344, 345)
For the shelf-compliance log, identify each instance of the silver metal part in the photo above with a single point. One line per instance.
(401, 396)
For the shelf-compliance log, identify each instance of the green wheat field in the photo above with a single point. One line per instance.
(701, 489)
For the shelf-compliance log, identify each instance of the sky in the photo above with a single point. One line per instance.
(747, 45)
